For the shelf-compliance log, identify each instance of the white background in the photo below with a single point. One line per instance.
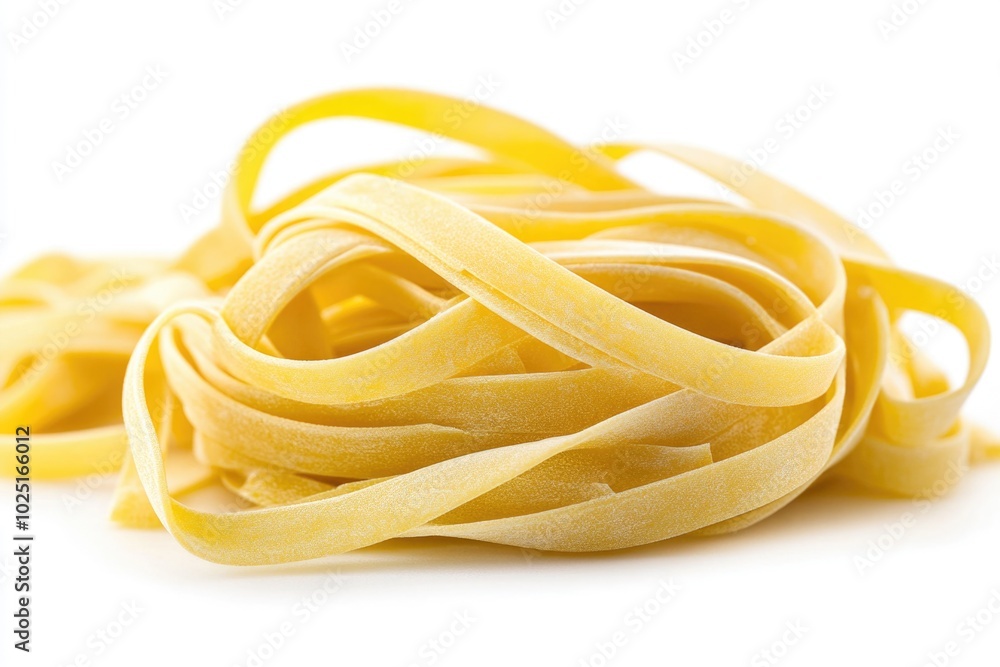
(608, 60)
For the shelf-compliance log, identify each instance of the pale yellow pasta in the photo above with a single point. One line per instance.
(524, 348)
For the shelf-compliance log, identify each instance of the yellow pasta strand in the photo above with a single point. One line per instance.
(524, 348)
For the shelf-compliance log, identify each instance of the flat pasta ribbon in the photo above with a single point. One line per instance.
(524, 347)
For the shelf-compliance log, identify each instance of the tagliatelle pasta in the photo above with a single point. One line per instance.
(524, 348)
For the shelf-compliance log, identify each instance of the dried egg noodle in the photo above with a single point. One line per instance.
(524, 348)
